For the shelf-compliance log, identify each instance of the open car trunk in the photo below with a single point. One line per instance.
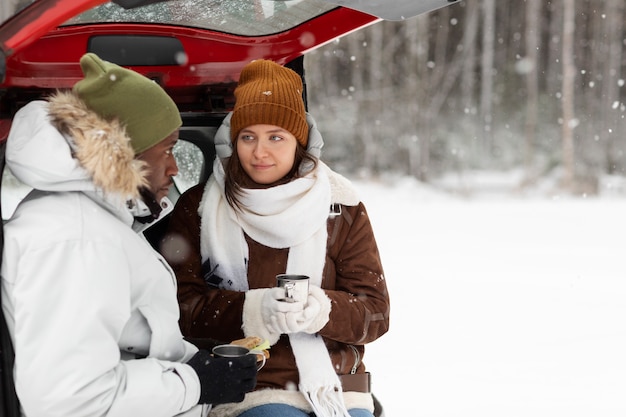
(194, 49)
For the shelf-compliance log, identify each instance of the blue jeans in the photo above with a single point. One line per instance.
(284, 410)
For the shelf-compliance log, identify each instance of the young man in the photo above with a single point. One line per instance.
(90, 306)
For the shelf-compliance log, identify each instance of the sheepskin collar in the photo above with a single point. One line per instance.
(101, 147)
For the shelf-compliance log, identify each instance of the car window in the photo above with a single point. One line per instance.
(247, 18)
(190, 161)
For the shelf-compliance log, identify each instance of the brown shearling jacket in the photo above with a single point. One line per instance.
(353, 279)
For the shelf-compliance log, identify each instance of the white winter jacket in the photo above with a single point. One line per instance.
(91, 307)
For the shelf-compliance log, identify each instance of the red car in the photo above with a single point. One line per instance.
(195, 49)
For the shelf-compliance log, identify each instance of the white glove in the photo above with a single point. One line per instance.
(259, 306)
(310, 319)
(273, 303)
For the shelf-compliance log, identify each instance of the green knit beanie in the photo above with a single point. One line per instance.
(140, 104)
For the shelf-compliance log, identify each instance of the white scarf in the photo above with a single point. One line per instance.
(294, 216)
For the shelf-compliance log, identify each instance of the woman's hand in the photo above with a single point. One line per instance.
(309, 318)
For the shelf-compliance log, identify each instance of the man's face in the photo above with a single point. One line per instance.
(161, 165)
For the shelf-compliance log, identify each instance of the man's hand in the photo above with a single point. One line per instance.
(223, 380)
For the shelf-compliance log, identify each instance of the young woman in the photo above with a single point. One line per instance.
(273, 207)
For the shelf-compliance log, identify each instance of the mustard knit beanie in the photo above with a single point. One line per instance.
(269, 93)
(140, 104)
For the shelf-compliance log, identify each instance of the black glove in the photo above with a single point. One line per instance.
(224, 380)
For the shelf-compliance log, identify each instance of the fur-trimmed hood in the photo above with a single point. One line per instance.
(61, 145)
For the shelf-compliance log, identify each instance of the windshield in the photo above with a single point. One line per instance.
(246, 18)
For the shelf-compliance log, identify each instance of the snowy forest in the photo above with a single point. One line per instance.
(480, 85)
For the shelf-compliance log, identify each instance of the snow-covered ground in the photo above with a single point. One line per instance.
(501, 305)
(504, 303)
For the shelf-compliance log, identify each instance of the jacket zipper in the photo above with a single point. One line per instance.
(357, 360)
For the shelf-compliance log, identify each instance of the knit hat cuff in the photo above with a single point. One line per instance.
(272, 114)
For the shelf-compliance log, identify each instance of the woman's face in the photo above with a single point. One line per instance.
(266, 152)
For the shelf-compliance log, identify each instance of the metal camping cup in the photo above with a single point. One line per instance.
(296, 287)
(235, 351)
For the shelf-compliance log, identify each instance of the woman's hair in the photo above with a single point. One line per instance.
(236, 179)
